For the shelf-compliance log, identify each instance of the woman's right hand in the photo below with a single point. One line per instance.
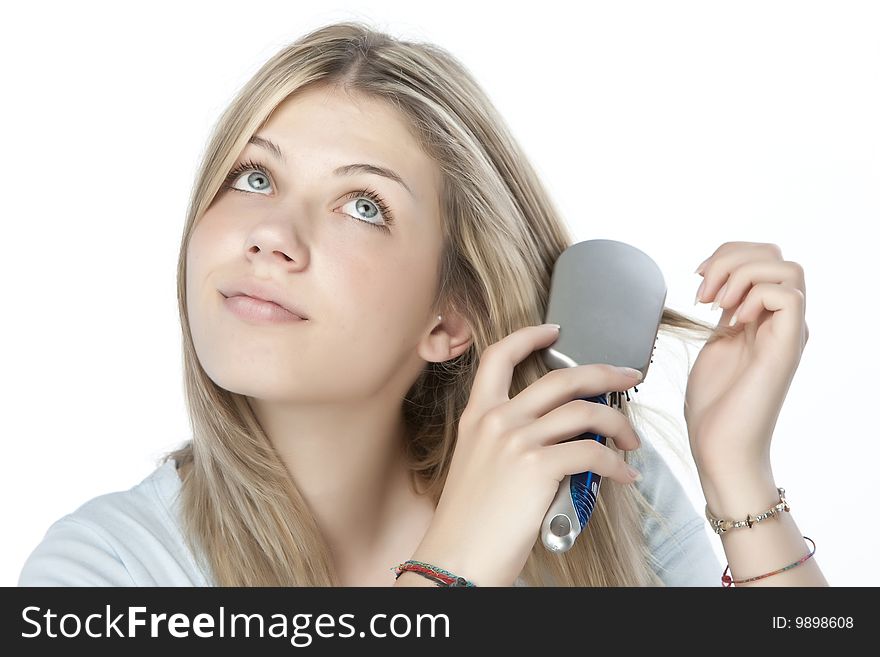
(509, 458)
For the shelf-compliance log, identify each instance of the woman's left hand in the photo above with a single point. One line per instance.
(741, 377)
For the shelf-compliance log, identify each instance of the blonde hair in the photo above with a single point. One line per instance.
(243, 516)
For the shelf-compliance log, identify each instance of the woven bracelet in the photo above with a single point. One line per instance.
(438, 575)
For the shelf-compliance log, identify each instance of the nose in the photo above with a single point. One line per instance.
(274, 244)
(257, 251)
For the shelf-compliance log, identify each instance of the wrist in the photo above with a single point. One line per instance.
(444, 560)
(461, 563)
(735, 498)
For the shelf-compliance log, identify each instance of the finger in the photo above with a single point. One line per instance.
(741, 280)
(558, 387)
(728, 257)
(577, 417)
(786, 304)
(732, 247)
(495, 372)
(586, 456)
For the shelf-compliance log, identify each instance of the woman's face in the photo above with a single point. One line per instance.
(309, 231)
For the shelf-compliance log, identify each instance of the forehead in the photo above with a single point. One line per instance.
(323, 127)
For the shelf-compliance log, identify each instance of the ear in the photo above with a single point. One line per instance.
(448, 336)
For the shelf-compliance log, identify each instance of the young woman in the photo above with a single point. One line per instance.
(389, 406)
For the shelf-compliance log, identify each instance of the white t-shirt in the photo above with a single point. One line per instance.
(133, 537)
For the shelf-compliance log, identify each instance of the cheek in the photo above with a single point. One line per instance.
(204, 255)
(209, 239)
(195, 262)
(389, 291)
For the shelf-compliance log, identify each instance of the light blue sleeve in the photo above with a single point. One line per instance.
(73, 553)
(681, 546)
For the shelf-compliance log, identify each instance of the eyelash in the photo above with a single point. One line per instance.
(371, 194)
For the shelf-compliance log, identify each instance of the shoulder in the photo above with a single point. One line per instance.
(124, 538)
(678, 540)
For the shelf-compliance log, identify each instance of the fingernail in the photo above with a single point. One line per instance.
(699, 292)
(629, 371)
(635, 474)
(555, 326)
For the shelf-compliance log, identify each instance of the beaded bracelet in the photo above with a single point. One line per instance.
(435, 574)
(727, 580)
(721, 526)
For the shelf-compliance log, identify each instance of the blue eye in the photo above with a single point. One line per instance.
(374, 199)
(259, 176)
(258, 172)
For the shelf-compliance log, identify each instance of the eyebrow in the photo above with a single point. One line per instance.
(345, 170)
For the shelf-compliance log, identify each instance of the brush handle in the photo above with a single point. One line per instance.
(573, 505)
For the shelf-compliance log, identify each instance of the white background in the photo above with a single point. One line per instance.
(672, 126)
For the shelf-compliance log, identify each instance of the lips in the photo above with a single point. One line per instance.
(264, 290)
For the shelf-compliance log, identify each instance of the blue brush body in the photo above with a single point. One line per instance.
(584, 486)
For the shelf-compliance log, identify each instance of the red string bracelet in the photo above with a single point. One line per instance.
(438, 575)
(727, 580)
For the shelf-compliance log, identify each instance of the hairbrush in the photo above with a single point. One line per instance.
(608, 298)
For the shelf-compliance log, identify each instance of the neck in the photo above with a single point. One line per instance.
(348, 462)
